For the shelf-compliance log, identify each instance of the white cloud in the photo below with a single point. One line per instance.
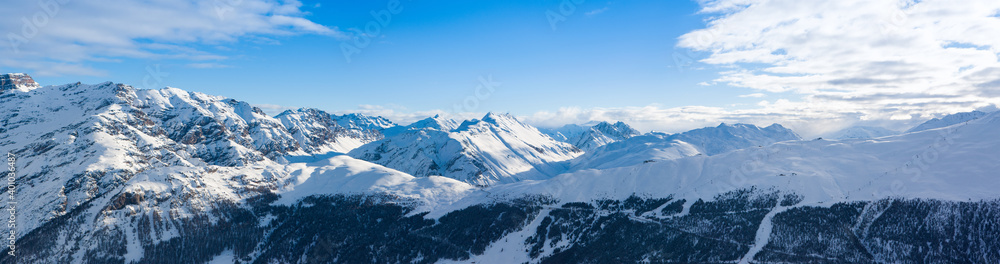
(753, 95)
(876, 59)
(596, 11)
(804, 118)
(207, 65)
(56, 37)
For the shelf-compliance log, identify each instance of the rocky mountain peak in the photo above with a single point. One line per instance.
(363, 122)
(17, 81)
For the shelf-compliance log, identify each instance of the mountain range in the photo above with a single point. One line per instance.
(108, 173)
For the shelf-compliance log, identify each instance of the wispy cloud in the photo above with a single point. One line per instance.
(207, 65)
(801, 117)
(53, 37)
(596, 11)
(753, 95)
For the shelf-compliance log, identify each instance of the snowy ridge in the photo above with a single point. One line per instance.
(592, 137)
(565, 133)
(318, 132)
(725, 138)
(937, 164)
(345, 175)
(604, 133)
(496, 149)
(863, 132)
(435, 122)
(356, 121)
(651, 147)
(947, 121)
(76, 143)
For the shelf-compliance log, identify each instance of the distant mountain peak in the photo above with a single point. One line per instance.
(947, 120)
(863, 132)
(591, 137)
(435, 122)
(363, 122)
(17, 81)
(496, 149)
(725, 138)
(496, 118)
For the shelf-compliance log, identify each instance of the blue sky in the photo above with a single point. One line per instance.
(660, 65)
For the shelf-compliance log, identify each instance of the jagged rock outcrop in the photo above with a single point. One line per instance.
(17, 81)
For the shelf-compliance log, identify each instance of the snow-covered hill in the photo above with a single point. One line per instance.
(651, 147)
(496, 149)
(725, 138)
(947, 121)
(862, 132)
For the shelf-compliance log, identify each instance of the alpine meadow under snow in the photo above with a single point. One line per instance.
(108, 173)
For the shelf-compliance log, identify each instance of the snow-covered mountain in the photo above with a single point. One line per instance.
(945, 164)
(655, 146)
(362, 122)
(725, 138)
(496, 149)
(604, 133)
(863, 132)
(589, 138)
(81, 148)
(435, 122)
(651, 147)
(566, 133)
(108, 173)
(947, 121)
(319, 132)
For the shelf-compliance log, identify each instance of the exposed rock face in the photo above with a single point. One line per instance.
(17, 81)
